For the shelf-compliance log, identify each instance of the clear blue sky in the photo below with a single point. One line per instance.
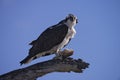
(97, 40)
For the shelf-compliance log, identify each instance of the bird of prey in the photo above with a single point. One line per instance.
(53, 39)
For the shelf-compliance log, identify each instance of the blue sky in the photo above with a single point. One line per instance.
(97, 40)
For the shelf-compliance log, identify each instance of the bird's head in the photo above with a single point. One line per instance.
(71, 20)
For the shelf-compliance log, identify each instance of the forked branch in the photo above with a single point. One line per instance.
(40, 69)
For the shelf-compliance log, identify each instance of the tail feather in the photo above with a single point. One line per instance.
(26, 60)
(29, 58)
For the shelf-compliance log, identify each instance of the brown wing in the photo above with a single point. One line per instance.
(48, 39)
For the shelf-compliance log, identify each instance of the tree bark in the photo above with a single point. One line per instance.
(40, 69)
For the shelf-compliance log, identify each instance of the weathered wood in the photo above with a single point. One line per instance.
(40, 69)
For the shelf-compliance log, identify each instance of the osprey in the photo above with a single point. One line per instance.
(53, 39)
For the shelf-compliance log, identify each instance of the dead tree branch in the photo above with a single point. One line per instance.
(40, 69)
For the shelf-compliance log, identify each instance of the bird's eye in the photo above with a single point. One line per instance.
(71, 19)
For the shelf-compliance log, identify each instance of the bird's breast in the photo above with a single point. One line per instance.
(70, 34)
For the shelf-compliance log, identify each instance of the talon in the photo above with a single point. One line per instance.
(58, 57)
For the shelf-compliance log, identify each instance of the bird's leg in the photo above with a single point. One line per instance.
(58, 55)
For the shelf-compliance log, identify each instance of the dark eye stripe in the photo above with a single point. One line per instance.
(71, 18)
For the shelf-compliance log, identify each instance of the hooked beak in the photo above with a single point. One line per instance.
(76, 20)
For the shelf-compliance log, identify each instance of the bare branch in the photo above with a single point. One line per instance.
(37, 70)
